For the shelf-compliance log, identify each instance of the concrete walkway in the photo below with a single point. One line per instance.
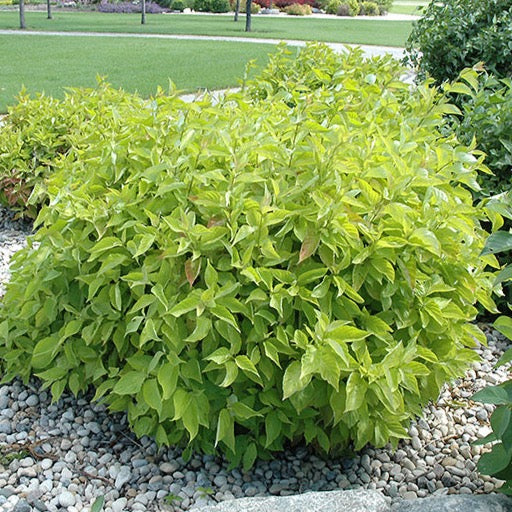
(368, 50)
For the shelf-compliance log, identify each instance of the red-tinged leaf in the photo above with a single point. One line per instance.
(215, 221)
(192, 269)
(309, 245)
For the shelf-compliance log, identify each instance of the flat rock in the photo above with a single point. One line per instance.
(459, 503)
(357, 500)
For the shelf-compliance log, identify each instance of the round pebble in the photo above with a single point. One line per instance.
(66, 499)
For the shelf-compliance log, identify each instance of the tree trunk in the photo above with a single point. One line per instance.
(248, 6)
(143, 17)
(237, 9)
(49, 9)
(22, 14)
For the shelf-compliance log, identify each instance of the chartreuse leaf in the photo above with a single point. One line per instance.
(129, 383)
(292, 380)
(231, 374)
(211, 277)
(223, 313)
(151, 394)
(190, 419)
(167, 377)
(203, 327)
(345, 333)
(44, 352)
(250, 455)
(158, 292)
(273, 426)
(181, 399)
(504, 325)
(225, 430)
(355, 392)
(242, 411)
(144, 243)
(247, 366)
(425, 239)
(505, 358)
(186, 305)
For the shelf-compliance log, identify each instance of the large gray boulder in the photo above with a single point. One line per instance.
(357, 500)
(458, 503)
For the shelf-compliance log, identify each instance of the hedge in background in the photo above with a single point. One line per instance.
(297, 263)
(456, 34)
(487, 115)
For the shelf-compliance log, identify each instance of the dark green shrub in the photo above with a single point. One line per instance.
(202, 5)
(498, 462)
(219, 6)
(487, 116)
(299, 262)
(456, 34)
(177, 5)
(216, 6)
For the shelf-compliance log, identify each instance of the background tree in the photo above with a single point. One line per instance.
(248, 6)
(237, 10)
(49, 9)
(22, 14)
(143, 16)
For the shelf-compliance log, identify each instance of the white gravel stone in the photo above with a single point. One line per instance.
(123, 476)
(67, 499)
(119, 505)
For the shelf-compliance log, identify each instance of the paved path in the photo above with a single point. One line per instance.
(369, 50)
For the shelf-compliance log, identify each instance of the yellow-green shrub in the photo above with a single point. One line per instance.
(298, 262)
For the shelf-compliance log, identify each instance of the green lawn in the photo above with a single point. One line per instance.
(376, 32)
(407, 7)
(49, 63)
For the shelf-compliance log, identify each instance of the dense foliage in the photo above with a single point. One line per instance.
(298, 10)
(356, 7)
(498, 461)
(298, 262)
(487, 116)
(38, 132)
(281, 4)
(455, 34)
(217, 6)
(129, 7)
(349, 8)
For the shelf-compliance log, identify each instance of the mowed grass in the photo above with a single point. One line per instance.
(50, 63)
(408, 7)
(337, 30)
